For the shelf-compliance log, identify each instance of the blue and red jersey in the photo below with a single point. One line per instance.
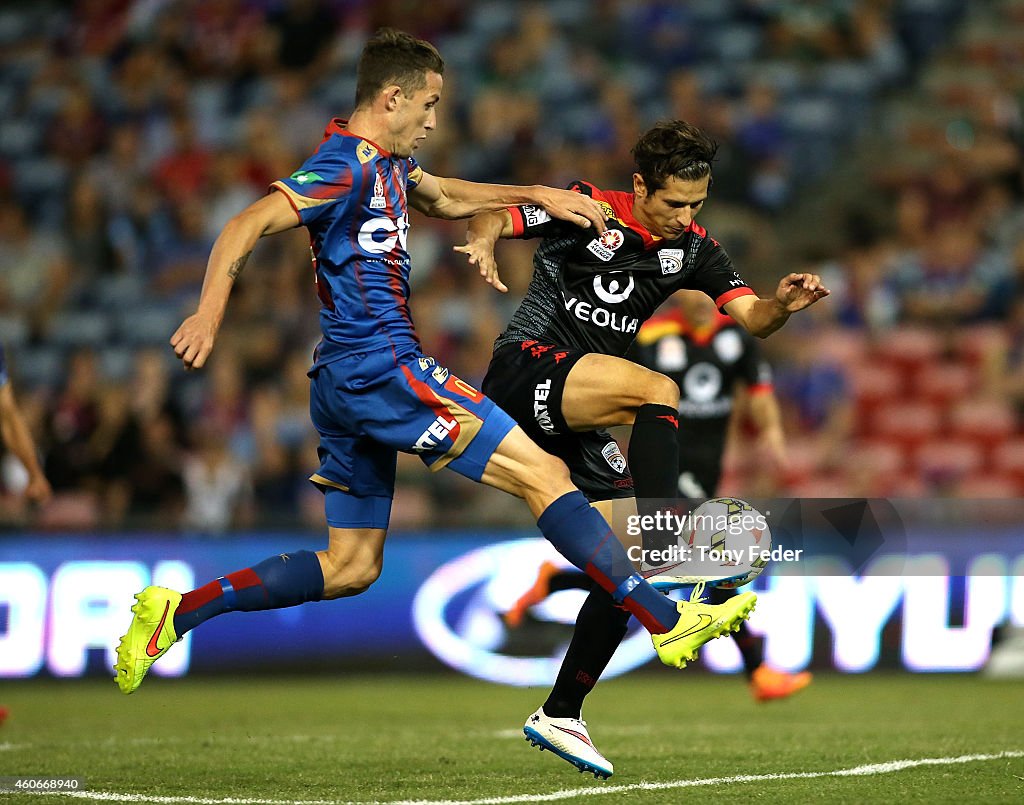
(351, 195)
(3, 368)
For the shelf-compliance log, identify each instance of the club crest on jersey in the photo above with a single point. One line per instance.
(614, 457)
(671, 260)
(378, 202)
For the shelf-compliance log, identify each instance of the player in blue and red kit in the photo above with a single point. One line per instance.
(373, 391)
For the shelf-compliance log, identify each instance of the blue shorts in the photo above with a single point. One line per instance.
(369, 406)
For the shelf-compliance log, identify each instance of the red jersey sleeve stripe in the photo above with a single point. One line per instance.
(728, 296)
(518, 224)
(760, 388)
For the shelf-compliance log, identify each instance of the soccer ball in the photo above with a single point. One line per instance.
(729, 537)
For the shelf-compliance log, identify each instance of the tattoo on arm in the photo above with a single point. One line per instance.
(238, 265)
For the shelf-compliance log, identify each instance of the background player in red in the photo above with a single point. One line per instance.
(373, 392)
(559, 367)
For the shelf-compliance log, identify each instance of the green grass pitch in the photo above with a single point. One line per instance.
(443, 738)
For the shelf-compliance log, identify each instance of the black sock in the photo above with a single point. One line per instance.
(751, 647)
(600, 627)
(654, 465)
(654, 452)
(570, 580)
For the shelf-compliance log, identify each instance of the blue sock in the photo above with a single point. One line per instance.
(284, 580)
(583, 537)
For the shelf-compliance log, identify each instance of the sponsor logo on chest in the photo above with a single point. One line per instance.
(601, 317)
(381, 235)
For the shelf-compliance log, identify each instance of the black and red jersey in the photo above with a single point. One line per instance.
(593, 292)
(706, 363)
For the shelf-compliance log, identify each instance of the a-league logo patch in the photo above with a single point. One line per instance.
(614, 457)
(599, 251)
(612, 239)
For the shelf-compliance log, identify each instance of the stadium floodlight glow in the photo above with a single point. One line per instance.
(457, 615)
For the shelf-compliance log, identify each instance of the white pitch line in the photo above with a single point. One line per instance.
(887, 767)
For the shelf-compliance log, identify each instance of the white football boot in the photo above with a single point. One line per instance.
(568, 738)
(672, 579)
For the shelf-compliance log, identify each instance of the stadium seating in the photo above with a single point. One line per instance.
(943, 383)
(987, 421)
(907, 424)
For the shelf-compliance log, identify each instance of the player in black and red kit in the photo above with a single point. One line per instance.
(559, 369)
(719, 370)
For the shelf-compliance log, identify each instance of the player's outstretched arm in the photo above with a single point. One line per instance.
(762, 317)
(456, 198)
(481, 236)
(18, 439)
(193, 340)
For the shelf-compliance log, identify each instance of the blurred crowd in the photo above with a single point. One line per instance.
(875, 141)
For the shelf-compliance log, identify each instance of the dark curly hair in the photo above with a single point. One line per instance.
(673, 148)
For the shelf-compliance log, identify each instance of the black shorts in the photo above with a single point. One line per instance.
(527, 380)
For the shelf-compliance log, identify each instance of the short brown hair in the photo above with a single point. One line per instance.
(395, 57)
(673, 148)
